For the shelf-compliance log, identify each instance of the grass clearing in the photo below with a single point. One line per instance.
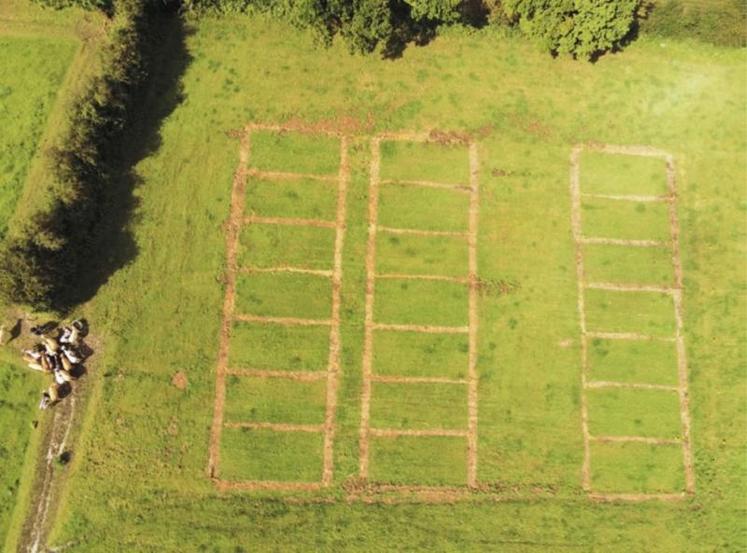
(274, 400)
(284, 295)
(421, 460)
(636, 468)
(270, 246)
(421, 255)
(624, 220)
(304, 198)
(603, 173)
(649, 313)
(294, 152)
(417, 207)
(255, 454)
(628, 265)
(633, 361)
(633, 412)
(424, 161)
(419, 406)
(420, 302)
(278, 347)
(419, 354)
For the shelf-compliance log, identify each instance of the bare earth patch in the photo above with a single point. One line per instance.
(180, 380)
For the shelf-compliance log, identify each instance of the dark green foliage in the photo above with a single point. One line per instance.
(720, 22)
(582, 28)
(45, 257)
(103, 5)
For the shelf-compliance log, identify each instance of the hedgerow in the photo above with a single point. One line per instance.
(44, 257)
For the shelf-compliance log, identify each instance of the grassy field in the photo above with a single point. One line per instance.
(138, 479)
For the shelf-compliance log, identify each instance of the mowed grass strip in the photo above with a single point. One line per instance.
(270, 245)
(618, 174)
(634, 412)
(419, 406)
(295, 152)
(628, 265)
(425, 161)
(259, 454)
(304, 198)
(277, 400)
(419, 354)
(284, 295)
(419, 460)
(603, 218)
(277, 347)
(420, 302)
(421, 255)
(633, 361)
(636, 468)
(422, 208)
(648, 313)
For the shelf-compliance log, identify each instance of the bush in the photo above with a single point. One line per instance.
(45, 256)
(582, 28)
(720, 22)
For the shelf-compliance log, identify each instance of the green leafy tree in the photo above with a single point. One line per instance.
(582, 28)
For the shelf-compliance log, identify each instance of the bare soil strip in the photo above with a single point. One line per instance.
(277, 427)
(629, 197)
(427, 184)
(627, 336)
(333, 368)
(581, 307)
(398, 276)
(302, 376)
(404, 136)
(620, 242)
(368, 323)
(271, 485)
(635, 497)
(474, 318)
(395, 432)
(422, 328)
(291, 221)
(294, 126)
(417, 379)
(615, 287)
(682, 373)
(299, 270)
(636, 439)
(640, 386)
(675, 292)
(233, 229)
(286, 321)
(281, 175)
(420, 232)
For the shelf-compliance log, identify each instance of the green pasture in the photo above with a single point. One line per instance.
(138, 479)
(31, 72)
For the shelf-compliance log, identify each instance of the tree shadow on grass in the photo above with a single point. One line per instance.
(407, 31)
(110, 240)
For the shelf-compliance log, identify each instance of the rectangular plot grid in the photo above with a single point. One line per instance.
(264, 436)
(414, 390)
(635, 420)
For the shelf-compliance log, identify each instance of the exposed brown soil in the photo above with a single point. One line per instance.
(179, 380)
